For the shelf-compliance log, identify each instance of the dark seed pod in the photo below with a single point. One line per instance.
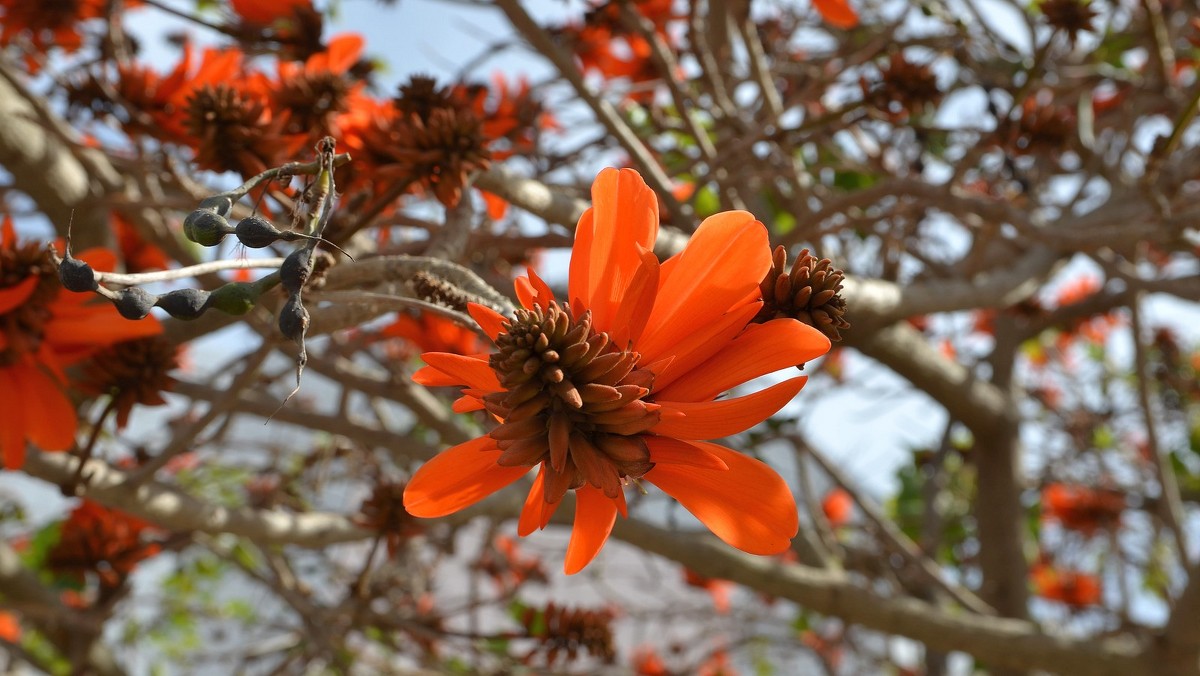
(76, 275)
(218, 204)
(257, 232)
(184, 303)
(295, 270)
(293, 319)
(206, 228)
(134, 303)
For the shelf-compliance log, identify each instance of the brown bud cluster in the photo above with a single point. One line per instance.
(905, 87)
(573, 399)
(1069, 16)
(234, 131)
(133, 372)
(563, 632)
(384, 512)
(809, 293)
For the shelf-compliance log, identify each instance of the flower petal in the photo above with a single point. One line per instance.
(720, 268)
(716, 419)
(12, 421)
(759, 350)
(749, 506)
(609, 241)
(531, 512)
(13, 296)
(700, 345)
(595, 514)
(50, 420)
(671, 451)
(489, 320)
(77, 329)
(458, 477)
(447, 369)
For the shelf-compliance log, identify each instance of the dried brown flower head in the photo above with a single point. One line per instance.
(1069, 16)
(384, 512)
(563, 632)
(1041, 128)
(311, 100)
(437, 153)
(809, 293)
(906, 87)
(232, 131)
(421, 95)
(133, 372)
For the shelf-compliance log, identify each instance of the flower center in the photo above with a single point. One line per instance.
(22, 328)
(573, 400)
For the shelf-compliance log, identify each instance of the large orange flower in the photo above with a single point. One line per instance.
(620, 384)
(42, 331)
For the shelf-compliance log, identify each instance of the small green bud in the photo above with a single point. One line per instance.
(234, 298)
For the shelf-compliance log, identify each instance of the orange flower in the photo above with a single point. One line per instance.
(267, 12)
(107, 542)
(838, 507)
(1073, 588)
(42, 331)
(138, 254)
(10, 629)
(434, 333)
(1081, 508)
(837, 13)
(719, 590)
(50, 24)
(646, 662)
(620, 383)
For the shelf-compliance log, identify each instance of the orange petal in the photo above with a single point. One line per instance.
(749, 506)
(466, 404)
(610, 239)
(531, 512)
(700, 345)
(489, 320)
(343, 52)
(78, 329)
(759, 350)
(13, 296)
(101, 260)
(458, 477)
(634, 310)
(595, 514)
(675, 452)
(455, 369)
(837, 13)
(50, 420)
(720, 267)
(716, 419)
(12, 420)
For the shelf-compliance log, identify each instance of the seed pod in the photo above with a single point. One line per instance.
(184, 303)
(257, 232)
(218, 204)
(295, 270)
(293, 319)
(206, 228)
(76, 275)
(234, 298)
(134, 303)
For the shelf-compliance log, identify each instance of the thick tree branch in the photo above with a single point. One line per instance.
(998, 642)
